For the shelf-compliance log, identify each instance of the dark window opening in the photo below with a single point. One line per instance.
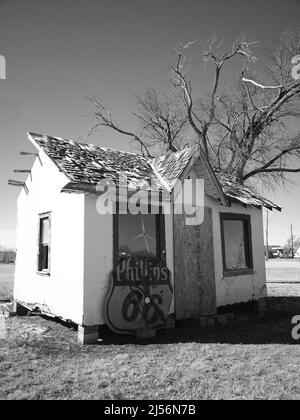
(236, 243)
(140, 235)
(44, 244)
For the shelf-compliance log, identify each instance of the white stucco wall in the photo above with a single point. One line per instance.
(62, 291)
(243, 288)
(98, 260)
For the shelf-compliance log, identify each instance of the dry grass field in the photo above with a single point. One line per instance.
(252, 358)
(6, 281)
(283, 277)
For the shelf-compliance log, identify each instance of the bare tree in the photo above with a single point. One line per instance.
(103, 118)
(244, 131)
(293, 243)
(161, 122)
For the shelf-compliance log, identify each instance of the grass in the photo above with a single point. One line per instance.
(283, 289)
(251, 359)
(283, 270)
(6, 281)
(283, 277)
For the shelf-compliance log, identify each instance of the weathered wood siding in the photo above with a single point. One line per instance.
(201, 173)
(195, 290)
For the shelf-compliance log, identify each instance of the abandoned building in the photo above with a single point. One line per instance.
(69, 254)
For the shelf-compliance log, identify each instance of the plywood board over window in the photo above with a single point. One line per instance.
(195, 290)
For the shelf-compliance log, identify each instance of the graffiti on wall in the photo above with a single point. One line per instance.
(140, 295)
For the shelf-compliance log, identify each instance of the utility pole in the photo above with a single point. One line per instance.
(267, 235)
(292, 241)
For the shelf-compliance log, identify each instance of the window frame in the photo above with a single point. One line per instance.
(246, 219)
(44, 272)
(160, 237)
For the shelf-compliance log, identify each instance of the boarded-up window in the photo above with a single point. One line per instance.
(44, 243)
(236, 243)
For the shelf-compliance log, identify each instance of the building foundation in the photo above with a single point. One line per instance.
(88, 335)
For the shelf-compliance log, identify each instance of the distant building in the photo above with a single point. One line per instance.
(275, 251)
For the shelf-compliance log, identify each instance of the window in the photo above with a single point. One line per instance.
(141, 234)
(44, 244)
(236, 244)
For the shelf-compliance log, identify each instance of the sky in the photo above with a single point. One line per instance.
(58, 52)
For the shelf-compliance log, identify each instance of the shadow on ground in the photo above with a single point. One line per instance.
(275, 327)
(250, 330)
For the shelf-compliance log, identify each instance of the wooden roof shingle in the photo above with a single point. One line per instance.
(85, 165)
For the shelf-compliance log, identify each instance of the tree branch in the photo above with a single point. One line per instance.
(259, 85)
(104, 119)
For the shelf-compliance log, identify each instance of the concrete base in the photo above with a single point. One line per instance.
(170, 324)
(262, 306)
(8, 309)
(145, 333)
(211, 322)
(88, 335)
(222, 319)
(205, 321)
(202, 321)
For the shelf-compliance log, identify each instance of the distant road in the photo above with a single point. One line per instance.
(283, 270)
(283, 277)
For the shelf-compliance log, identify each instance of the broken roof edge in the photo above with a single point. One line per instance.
(244, 194)
(96, 189)
(40, 150)
(196, 153)
(246, 197)
(267, 204)
(31, 134)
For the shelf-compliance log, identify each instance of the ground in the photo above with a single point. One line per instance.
(283, 277)
(6, 281)
(252, 358)
(249, 359)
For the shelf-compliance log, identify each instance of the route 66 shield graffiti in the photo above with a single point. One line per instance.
(140, 295)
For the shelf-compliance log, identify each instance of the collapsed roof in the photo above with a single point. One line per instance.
(85, 165)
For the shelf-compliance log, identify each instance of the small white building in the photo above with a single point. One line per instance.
(69, 254)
